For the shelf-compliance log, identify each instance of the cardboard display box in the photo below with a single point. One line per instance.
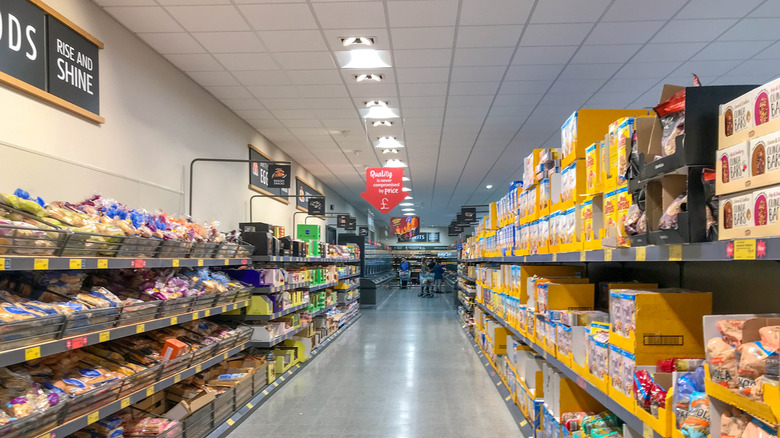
(587, 126)
(754, 113)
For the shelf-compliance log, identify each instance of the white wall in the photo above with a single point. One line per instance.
(157, 121)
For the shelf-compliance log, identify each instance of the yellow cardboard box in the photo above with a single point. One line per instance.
(587, 126)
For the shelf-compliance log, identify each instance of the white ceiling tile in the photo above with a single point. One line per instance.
(208, 18)
(555, 34)
(544, 55)
(306, 131)
(422, 58)
(627, 86)
(488, 36)
(495, 118)
(692, 31)
(525, 87)
(698, 9)
(482, 56)
(423, 102)
(467, 101)
(577, 86)
(191, 2)
(614, 100)
(263, 124)
(107, 3)
(770, 52)
(246, 61)
(589, 71)
(342, 124)
(418, 75)
(169, 43)
(423, 37)
(230, 42)
(730, 50)
(325, 103)
(569, 11)
(605, 53)
(293, 40)
(707, 71)
(533, 72)
(145, 19)
(274, 91)
(372, 91)
(768, 9)
(634, 10)
(315, 91)
(473, 88)
(195, 62)
(515, 104)
(490, 12)
(229, 92)
(758, 67)
(667, 52)
(342, 15)
(477, 74)
(254, 114)
(285, 104)
(753, 29)
(640, 70)
(424, 112)
(304, 60)
(423, 121)
(293, 16)
(336, 114)
(213, 78)
(635, 32)
(262, 77)
(283, 114)
(315, 77)
(243, 104)
(423, 89)
(421, 13)
(755, 79)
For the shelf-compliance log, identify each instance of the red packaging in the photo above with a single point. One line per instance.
(643, 384)
(172, 349)
(666, 366)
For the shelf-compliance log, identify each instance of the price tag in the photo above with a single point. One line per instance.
(250, 405)
(227, 262)
(675, 253)
(138, 263)
(102, 263)
(175, 263)
(230, 422)
(150, 391)
(555, 257)
(200, 262)
(125, 403)
(206, 313)
(76, 342)
(225, 356)
(177, 378)
(507, 398)
(41, 264)
(641, 253)
(276, 383)
(32, 353)
(583, 256)
(647, 431)
(271, 373)
(75, 263)
(93, 417)
(244, 261)
(745, 249)
(104, 336)
(2, 264)
(174, 320)
(195, 316)
(140, 328)
(607, 255)
(224, 309)
(523, 423)
(198, 368)
(265, 392)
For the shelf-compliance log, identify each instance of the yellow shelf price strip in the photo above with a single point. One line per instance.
(125, 403)
(41, 264)
(675, 253)
(745, 249)
(641, 253)
(102, 264)
(150, 391)
(32, 353)
(93, 417)
(75, 264)
(104, 336)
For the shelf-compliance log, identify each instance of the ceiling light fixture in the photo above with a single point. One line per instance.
(406, 204)
(355, 41)
(410, 214)
(390, 151)
(407, 209)
(382, 123)
(379, 112)
(368, 77)
(408, 197)
(405, 179)
(363, 59)
(379, 103)
(489, 186)
(406, 189)
(394, 163)
(388, 143)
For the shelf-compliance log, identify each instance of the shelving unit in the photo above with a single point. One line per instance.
(266, 318)
(279, 339)
(25, 263)
(282, 288)
(285, 259)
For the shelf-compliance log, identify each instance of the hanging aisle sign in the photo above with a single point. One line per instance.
(45, 55)
(316, 206)
(384, 188)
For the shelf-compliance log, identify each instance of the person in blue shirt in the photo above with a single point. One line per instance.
(404, 274)
(404, 265)
(438, 276)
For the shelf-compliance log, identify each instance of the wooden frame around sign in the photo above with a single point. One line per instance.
(298, 207)
(46, 96)
(261, 190)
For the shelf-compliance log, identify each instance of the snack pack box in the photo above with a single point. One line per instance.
(598, 357)
(735, 216)
(766, 206)
(749, 165)
(732, 169)
(765, 158)
(753, 114)
(622, 365)
(544, 194)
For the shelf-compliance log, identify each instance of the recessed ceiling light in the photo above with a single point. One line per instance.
(382, 123)
(405, 179)
(394, 163)
(408, 197)
(388, 143)
(379, 112)
(364, 59)
(354, 41)
(489, 186)
(373, 103)
(406, 204)
(406, 189)
(410, 214)
(390, 151)
(407, 209)
(368, 77)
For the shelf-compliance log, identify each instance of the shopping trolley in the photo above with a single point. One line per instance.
(404, 277)
(426, 285)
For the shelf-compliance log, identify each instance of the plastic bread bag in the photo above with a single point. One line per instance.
(731, 329)
(758, 429)
(669, 219)
(604, 432)
(643, 384)
(723, 362)
(687, 384)
(671, 114)
(601, 420)
(633, 217)
(733, 423)
(770, 337)
(752, 366)
(697, 423)
(657, 399)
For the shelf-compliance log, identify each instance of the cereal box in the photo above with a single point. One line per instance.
(586, 217)
(528, 172)
(569, 135)
(624, 134)
(592, 168)
(543, 230)
(568, 225)
(622, 204)
(544, 194)
(555, 228)
(621, 370)
(610, 209)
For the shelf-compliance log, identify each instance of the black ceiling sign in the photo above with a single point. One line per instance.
(316, 206)
(352, 224)
(342, 220)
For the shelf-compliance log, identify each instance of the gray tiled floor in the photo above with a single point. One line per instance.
(403, 370)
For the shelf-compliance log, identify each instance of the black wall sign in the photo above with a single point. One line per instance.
(38, 49)
(279, 175)
(352, 224)
(304, 191)
(363, 231)
(22, 38)
(260, 176)
(73, 66)
(341, 220)
(316, 206)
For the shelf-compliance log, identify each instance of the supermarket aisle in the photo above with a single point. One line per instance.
(403, 370)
